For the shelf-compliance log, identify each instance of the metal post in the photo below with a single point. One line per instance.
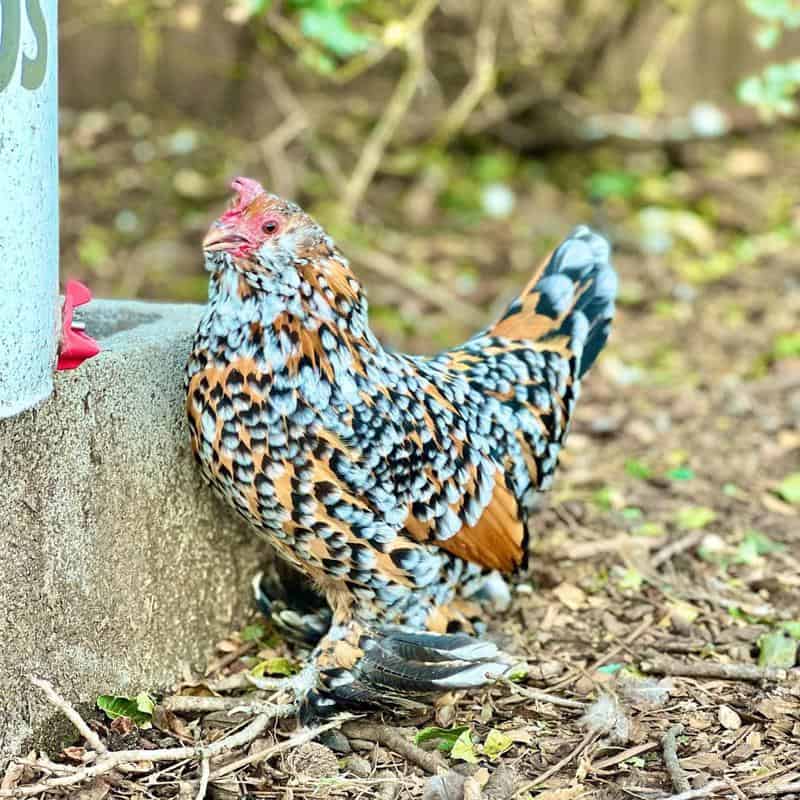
(28, 201)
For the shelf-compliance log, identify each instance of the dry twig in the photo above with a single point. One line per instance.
(108, 760)
(545, 697)
(252, 704)
(395, 741)
(669, 745)
(580, 748)
(71, 714)
(482, 80)
(704, 791)
(383, 132)
(786, 788)
(713, 669)
(673, 549)
(303, 736)
(205, 771)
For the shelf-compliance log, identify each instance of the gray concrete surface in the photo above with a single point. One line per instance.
(118, 565)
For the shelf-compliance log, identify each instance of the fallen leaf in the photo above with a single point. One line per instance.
(273, 666)
(682, 611)
(699, 722)
(728, 718)
(251, 633)
(777, 649)
(694, 517)
(447, 737)
(496, 743)
(520, 735)
(568, 793)
(789, 488)
(74, 753)
(139, 709)
(754, 740)
(570, 595)
(705, 761)
(463, 749)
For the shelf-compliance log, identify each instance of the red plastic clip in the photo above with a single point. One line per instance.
(76, 346)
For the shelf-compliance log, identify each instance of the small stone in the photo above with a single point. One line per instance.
(313, 761)
(729, 719)
(336, 741)
(359, 766)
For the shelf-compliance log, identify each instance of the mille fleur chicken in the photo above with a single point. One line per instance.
(400, 485)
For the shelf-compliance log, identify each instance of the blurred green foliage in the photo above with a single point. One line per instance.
(773, 91)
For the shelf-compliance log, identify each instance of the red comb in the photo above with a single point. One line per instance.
(247, 189)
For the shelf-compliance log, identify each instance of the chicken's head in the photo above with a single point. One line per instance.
(260, 234)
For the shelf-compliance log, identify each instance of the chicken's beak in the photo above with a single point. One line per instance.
(221, 237)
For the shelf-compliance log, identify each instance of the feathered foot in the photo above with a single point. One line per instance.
(283, 596)
(395, 668)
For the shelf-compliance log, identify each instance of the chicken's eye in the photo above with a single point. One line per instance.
(270, 226)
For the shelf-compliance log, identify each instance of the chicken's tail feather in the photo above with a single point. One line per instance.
(569, 300)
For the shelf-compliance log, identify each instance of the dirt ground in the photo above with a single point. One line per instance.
(669, 544)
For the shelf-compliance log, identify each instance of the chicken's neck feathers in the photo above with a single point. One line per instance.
(290, 320)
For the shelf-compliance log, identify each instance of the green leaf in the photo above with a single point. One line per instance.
(139, 709)
(793, 628)
(602, 185)
(518, 672)
(753, 545)
(772, 92)
(767, 36)
(649, 529)
(463, 749)
(331, 28)
(608, 498)
(252, 633)
(637, 469)
(447, 736)
(789, 488)
(694, 517)
(273, 666)
(681, 474)
(786, 345)
(632, 513)
(496, 744)
(777, 649)
(632, 579)
(610, 669)
(738, 613)
(494, 167)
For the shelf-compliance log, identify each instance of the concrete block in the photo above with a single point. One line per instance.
(118, 562)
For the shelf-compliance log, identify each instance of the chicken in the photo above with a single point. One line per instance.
(401, 485)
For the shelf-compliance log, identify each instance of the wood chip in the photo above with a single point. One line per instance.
(728, 718)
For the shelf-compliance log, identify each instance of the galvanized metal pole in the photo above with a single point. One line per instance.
(29, 306)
